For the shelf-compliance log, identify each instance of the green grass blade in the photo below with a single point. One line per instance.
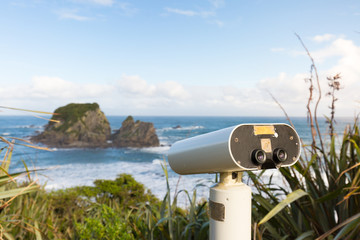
(37, 231)
(17, 191)
(330, 196)
(305, 235)
(25, 110)
(348, 228)
(289, 199)
(5, 179)
(7, 159)
(349, 220)
(8, 236)
(26, 169)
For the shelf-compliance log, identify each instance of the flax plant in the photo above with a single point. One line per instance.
(326, 182)
(10, 189)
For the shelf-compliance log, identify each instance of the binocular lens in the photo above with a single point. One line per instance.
(259, 157)
(280, 155)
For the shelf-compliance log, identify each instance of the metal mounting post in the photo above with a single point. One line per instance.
(230, 208)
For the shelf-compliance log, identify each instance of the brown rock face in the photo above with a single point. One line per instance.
(135, 134)
(79, 126)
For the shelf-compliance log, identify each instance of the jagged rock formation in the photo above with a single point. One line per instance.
(79, 126)
(135, 134)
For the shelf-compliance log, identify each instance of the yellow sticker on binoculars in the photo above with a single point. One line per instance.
(264, 130)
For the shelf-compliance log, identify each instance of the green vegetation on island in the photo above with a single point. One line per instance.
(70, 114)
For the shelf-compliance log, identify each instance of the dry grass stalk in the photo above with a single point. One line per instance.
(334, 85)
(313, 119)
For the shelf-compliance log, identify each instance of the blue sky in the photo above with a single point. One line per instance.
(209, 57)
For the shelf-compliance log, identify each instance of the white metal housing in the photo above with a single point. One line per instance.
(214, 152)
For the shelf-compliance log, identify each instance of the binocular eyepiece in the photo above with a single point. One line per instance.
(239, 148)
(259, 156)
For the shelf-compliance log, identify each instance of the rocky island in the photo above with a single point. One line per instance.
(135, 134)
(78, 126)
(86, 126)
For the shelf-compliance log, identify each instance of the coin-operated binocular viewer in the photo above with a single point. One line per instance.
(230, 151)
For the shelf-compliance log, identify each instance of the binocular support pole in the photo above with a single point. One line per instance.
(230, 208)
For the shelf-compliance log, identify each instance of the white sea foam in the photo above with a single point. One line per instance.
(164, 141)
(158, 150)
(30, 126)
(191, 128)
(158, 161)
(186, 128)
(5, 134)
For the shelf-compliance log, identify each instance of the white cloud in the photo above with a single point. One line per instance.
(277, 49)
(44, 87)
(218, 23)
(181, 12)
(293, 92)
(172, 89)
(348, 55)
(217, 3)
(55, 87)
(139, 95)
(190, 13)
(290, 90)
(104, 2)
(136, 86)
(209, 15)
(127, 8)
(98, 2)
(285, 88)
(72, 14)
(324, 38)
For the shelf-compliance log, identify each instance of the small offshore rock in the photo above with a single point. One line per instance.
(135, 134)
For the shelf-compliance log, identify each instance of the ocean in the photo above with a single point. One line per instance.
(63, 168)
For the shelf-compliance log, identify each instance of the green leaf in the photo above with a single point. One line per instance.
(306, 235)
(8, 236)
(330, 196)
(17, 191)
(5, 179)
(37, 231)
(27, 170)
(347, 221)
(313, 159)
(289, 199)
(6, 163)
(284, 238)
(349, 227)
(25, 110)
